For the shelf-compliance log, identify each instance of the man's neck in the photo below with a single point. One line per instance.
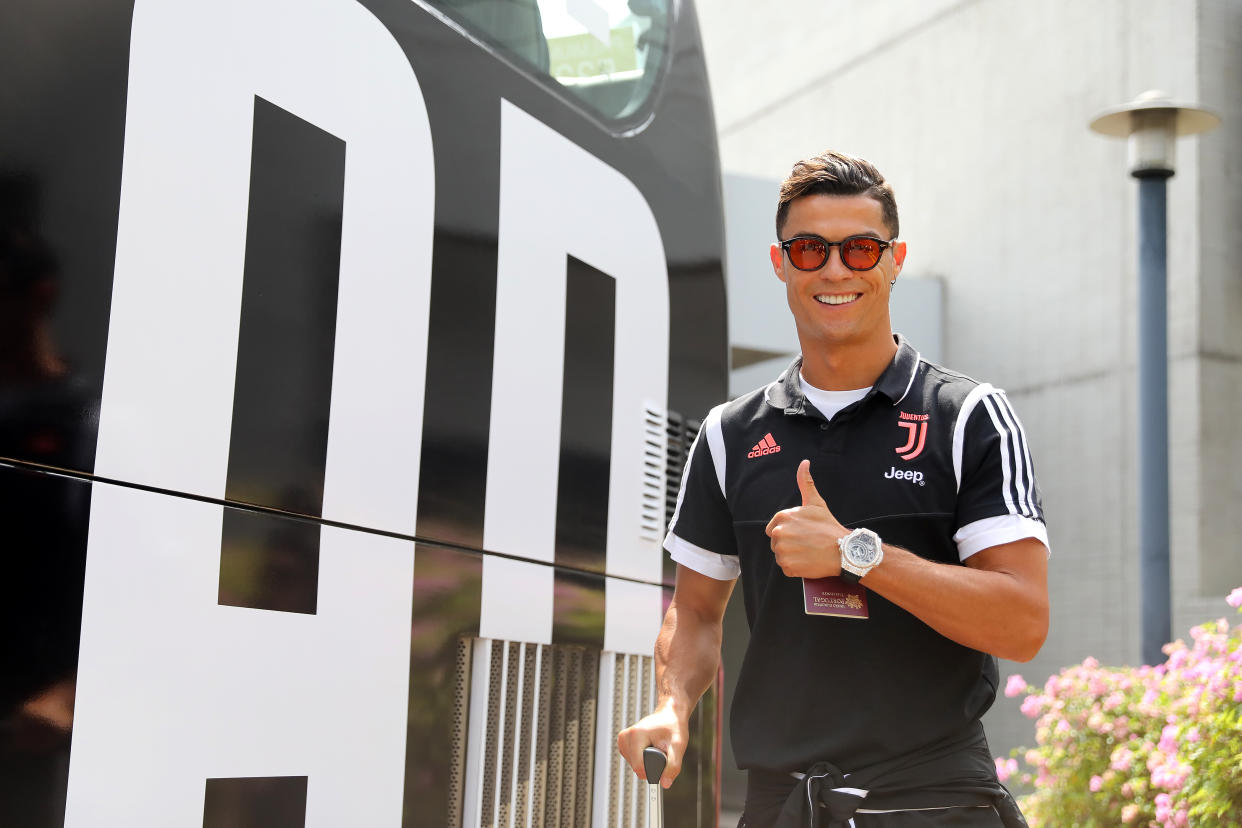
(847, 367)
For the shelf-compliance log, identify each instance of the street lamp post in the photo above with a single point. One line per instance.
(1152, 123)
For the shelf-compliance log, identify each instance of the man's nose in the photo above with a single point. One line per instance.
(834, 267)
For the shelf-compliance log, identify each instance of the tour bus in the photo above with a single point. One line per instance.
(349, 355)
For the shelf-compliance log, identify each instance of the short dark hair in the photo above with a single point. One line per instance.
(835, 173)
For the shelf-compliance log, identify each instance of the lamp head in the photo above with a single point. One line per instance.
(1152, 122)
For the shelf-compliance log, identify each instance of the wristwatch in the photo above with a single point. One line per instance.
(861, 551)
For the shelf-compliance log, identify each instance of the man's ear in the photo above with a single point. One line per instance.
(777, 255)
(899, 256)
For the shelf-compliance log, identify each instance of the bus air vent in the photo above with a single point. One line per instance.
(654, 468)
(681, 433)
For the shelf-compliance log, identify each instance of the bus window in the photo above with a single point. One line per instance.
(608, 54)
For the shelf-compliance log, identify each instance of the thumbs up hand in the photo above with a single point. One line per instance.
(806, 485)
(804, 538)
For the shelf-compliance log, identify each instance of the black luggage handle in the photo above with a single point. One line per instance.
(654, 761)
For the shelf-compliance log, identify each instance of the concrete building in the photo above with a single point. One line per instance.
(1025, 223)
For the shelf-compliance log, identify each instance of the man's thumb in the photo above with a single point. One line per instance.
(806, 485)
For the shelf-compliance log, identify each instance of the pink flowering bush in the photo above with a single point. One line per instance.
(1147, 746)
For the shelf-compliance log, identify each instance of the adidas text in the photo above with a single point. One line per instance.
(912, 476)
(767, 445)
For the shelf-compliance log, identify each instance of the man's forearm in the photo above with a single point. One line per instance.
(1001, 609)
(687, 655)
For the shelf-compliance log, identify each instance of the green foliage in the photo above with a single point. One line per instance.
(1147, 746)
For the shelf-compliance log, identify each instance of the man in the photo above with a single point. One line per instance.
(909, 488)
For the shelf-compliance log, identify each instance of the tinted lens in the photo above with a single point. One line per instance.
(807, 254)
(860, 253)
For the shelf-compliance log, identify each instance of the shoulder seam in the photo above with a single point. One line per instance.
(949, 373)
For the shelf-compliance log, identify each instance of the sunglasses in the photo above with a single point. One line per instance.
(857, 252)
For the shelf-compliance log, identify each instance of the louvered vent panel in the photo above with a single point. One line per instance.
(531, 735)
(679, 436)
(655, 425)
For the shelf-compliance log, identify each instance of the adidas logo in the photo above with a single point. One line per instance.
(765, 446)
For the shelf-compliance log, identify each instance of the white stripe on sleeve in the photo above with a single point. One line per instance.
(715, 445)
(994, 531)
(1005, 451)
(720, 567)
(715, 442)
(1024, 453)
(1010, 456)
(959, 428)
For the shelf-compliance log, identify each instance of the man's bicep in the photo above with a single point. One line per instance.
(1010, 612)
(701, 594)
(1025, 560)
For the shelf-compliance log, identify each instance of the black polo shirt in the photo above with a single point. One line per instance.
(924, 454)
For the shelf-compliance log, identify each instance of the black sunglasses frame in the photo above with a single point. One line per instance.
(884, 245)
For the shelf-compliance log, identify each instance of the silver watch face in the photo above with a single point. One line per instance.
(861, 549)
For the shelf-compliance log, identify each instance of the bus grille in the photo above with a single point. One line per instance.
(632, 682)
(532, 756)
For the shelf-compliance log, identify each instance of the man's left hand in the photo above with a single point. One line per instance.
(804, 538)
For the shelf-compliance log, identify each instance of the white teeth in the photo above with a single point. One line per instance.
(837, 298)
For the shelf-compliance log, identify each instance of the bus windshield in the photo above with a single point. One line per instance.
(607, 54)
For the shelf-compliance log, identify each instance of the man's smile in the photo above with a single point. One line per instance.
(836, 298)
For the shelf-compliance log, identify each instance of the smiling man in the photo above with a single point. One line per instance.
(883, 517)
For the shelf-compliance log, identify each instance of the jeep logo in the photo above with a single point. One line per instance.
(913, 476)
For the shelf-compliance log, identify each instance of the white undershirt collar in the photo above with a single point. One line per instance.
(829, 403)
